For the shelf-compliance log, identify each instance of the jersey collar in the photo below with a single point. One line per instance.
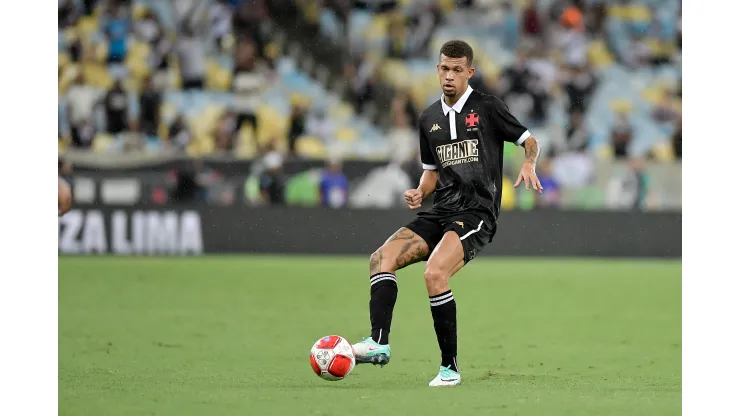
(459, 104)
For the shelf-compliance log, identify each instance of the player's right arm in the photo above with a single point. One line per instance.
(428, 181)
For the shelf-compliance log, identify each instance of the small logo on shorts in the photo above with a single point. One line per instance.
(472, 253)
(460, 223)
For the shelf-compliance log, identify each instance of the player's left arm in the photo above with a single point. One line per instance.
(528, 174)
(512, 131)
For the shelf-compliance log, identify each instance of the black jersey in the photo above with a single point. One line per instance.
(465, 144)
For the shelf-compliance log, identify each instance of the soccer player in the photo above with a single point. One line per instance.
(462, 144)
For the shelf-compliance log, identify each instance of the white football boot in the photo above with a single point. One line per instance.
(446, 377)
(368, 351)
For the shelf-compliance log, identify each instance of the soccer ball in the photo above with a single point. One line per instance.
(332, 358)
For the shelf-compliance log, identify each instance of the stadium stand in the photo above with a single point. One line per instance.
(597, 81)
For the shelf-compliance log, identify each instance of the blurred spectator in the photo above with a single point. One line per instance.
(572, 17)
(117, 31)
(272, 180)
(404, 142)
(250, 78)
(83, 134)
(621, 135)
(319, 125)
(577, 134)
(664, 111)
(191, 50)
(150, 104)
(148, 28)
(361, 80)
(179, 134)
(162, 48)
(629, 190)
(333, 186)
(402, 104)
(639, 52)
(116, 109)
(515, 79)
(67, 13)
(486, 83)
(571, 38)
(221, 16)
(579, 86)
(188, 187)
(297, 125)
(88, 6)
(542, 77)
(595, 18)
(225, 132)
(511, 28)
(678, 29)
(246, 21)
(423, 20)
(550, 197)
(397, 38)
(81, 101)
(531, 22)
(676, 139)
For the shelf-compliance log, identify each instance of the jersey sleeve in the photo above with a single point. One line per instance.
(427, 155)
(505, 122)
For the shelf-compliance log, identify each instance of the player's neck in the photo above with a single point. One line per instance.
(451, 101)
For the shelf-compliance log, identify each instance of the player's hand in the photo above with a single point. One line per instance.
(413, 198)
(529, 177)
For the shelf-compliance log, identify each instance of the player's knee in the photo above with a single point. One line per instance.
(434, 276)
(376, 261)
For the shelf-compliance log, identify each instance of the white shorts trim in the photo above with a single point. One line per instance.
(472, 232)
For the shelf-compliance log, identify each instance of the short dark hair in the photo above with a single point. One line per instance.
(457, 49)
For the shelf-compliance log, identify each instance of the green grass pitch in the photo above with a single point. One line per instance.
(231, 336)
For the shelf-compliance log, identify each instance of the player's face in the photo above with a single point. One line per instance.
(454, 74)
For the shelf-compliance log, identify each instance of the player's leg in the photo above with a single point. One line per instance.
(446, 260)
(403, 248)
(464, 236)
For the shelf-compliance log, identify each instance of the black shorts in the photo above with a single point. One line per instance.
(474, 230)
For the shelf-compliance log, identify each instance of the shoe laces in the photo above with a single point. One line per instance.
(447, 372)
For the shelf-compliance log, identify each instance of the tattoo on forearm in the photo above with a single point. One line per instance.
(531, 150)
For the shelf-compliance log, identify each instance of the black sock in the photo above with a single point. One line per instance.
(383, 293)
(444, 313)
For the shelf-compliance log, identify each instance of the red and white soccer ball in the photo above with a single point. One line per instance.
(332, 358)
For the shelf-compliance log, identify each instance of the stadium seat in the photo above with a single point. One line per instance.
(246, 143)
(310, 147)
(97, 75)
(346, 134)
(599, 55)
(663, 152)
(102, 143)
(86, 26)
(217, 78)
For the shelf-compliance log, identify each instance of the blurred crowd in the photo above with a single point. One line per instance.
(118, 60)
